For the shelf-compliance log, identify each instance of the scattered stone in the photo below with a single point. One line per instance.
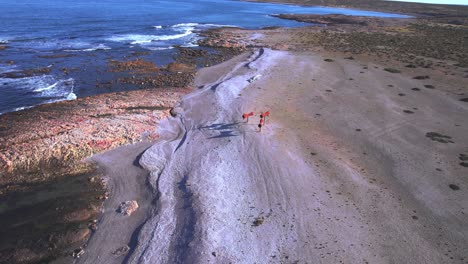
(213, 253)
(138, 66)
(439, 137)
(349, 58)
(258, 221)
(463, 157)
(172, 112)
(415, 89)
(464, 164)
(428, 86)
(454, 187)
(421, 77)
(414, 217)
(180, 67)
(392, 70)
(105, 196)
(93, 225)
(464, 100)
(254, 78)
(408, 112)
(410, 66)
(121, 251)
(128, 207)
(401, 94)
(328, 60)
(77, 253)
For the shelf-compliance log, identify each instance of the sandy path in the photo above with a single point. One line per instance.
(339, 174)
(216, 178)
(126, 181)
(380, 188)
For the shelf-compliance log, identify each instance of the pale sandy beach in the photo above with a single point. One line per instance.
(362, 159)
(339, 174)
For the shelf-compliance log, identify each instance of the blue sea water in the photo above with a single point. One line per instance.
(90, 32)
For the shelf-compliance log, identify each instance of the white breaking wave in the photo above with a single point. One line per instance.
(7, 68)
(189, 45)
(184, 31)
(217, 25)
(71, 96)
(98, 47)
(142, 39)
(185, 25)
(46, 88)
(21, 108)
(160, 48)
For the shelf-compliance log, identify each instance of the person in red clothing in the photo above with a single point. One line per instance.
(264, 115)
(260, 125)
(246, 116)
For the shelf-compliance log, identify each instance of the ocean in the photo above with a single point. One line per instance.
(54, 50)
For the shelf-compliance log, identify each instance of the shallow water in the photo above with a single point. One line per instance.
(88, 33)
(34, 219)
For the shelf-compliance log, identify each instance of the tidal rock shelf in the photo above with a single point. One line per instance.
(50, 140)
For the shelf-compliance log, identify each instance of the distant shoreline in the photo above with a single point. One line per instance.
(409, 8)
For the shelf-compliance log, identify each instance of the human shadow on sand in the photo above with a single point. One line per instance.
(224, 129)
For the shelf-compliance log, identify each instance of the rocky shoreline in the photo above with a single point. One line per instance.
(42, 154)
(417, 9)
(50, 140)
(48, 146)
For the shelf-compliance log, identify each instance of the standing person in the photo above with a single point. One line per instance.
(260, 125)
(267, 113)
(246, 116)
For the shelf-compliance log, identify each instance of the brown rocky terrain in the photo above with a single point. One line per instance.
(417, 42)
(204, 57)
(383, 6)
(52, 140)
(43, 149)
